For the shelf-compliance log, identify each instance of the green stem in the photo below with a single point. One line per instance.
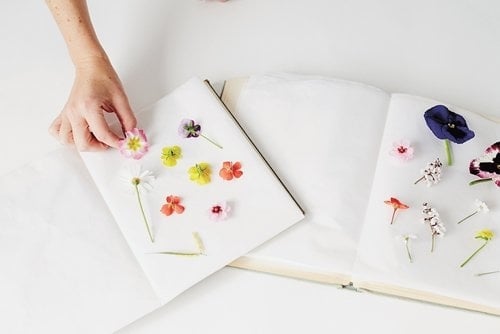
(142, 211)
(210, 140)
(470, 257)
(449, 156)
(423, 177)
(433, 241)
(472, 214)
(408, 250)
(488, 273)
(471, 183)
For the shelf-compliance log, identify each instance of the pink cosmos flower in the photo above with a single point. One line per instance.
(219, 211)
(402, 150)
(135, 144)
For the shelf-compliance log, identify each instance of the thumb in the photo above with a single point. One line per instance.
(124, 113)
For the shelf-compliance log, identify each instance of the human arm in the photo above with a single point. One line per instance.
(96, 88)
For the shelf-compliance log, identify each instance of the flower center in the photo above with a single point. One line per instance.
(402, 149)
(451, 125)
(216, 209)
(135, 181)
(134, 144)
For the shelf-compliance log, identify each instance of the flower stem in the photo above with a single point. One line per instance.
(472, 214)
(423, 177)
(408, 250)
(449, 155)
(473, 254)
(488, 273)
(433, 241)
(471, 183)
(393, 214)
(142, 211)
(210, 140)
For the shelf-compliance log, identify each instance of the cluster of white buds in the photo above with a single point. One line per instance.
(431, 173)
(431, 218)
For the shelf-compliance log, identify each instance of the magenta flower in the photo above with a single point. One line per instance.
(487, 167)
(402, 150)
(219, 211)
(134, 145)
(189, 129)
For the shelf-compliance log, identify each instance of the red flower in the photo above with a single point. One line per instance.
(396, 204)
(230, 170)
(172, 205)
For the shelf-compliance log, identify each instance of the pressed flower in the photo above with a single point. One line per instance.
(134, 145)
(406, 239)
(200, 248)
(396, 205)
(448, 125)
(486, 235)
(488, 273)
(230, 170)
(219, 211)
(402, 150)
(487, 167)
(173, 205)
(200, 173)
(170, 154)
(431, 173)
(189, 129)
(480, 207)
(141, 181)
(431, 218)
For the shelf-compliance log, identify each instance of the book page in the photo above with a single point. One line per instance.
(260, 207)
(322, 135)
(383, 258)
(65, 265)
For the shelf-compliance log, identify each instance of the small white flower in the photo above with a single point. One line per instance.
(135, 176)
(431, 173)
(481, 206)
(406, 239)
(435, 223)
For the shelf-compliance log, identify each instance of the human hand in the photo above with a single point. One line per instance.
(96, 89)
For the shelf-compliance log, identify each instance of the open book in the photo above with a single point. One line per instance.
(76, 238)
(331, 142)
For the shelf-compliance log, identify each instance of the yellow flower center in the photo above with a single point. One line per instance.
(135, 181)
(134, 144)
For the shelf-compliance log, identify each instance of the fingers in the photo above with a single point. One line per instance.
(125, 114)
(100, 129)
(84, 139)
(65, 131)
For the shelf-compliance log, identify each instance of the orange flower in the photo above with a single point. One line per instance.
(172, 205)
(230, 170)
(396, 204)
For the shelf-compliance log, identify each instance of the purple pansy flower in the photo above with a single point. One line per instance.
(446, 124)
(487, 167)
(189, 128)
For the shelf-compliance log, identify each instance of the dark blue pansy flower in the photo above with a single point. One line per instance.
(446, 124)
(449, 126)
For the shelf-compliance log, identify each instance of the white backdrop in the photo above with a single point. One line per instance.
(447, 50)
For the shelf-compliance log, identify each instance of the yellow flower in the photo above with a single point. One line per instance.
(170, 154)
(200, 173)
(485, 234)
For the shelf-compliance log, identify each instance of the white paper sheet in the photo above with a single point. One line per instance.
(383, 258)
(322, 135)
(65, 267)
(261, 208)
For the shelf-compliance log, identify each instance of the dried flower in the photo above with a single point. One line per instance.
(141, 181)
(219, 211)
(487, 167)
(173, 205)
(431, 217)
(200, 173)
(170, 154)
(480, 207)
(230, 170)
(396, 204)
(406, 239)
(134, 145)
(402, 150)
(448, 125)
(485, 235)
(488, 273)
(189, 129)
(431, 173)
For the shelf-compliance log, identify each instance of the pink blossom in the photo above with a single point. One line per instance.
(219, 211)
(402, 150)
(135, 144)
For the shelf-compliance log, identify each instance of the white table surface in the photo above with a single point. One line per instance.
(448, 50)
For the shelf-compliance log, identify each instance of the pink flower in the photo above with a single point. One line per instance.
(219, 211)
(402, 150)
(135, 144)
